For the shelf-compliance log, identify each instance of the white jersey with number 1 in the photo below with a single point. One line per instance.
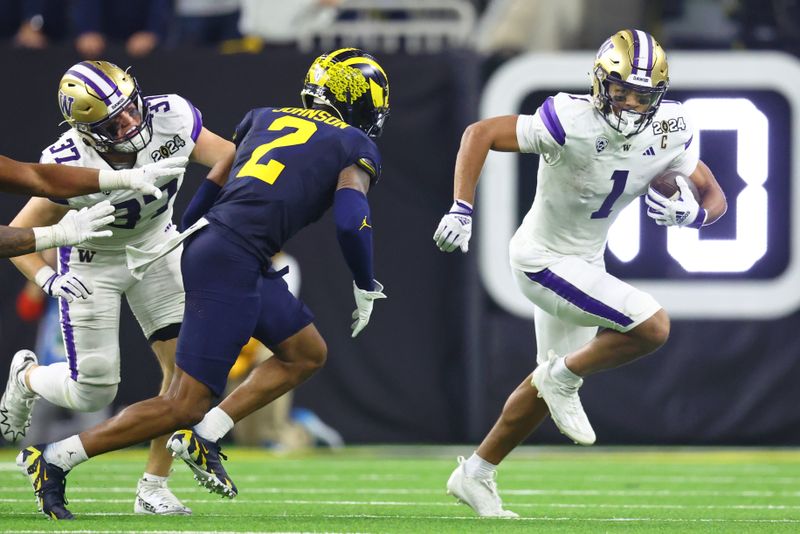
(589, 172)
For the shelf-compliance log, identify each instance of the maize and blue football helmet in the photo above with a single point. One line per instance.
(104, 105)
(353, 84)
(634, 60)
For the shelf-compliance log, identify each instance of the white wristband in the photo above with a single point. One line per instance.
(47, 237)
(43, 275)
(109, 180)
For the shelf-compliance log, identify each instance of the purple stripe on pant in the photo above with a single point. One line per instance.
(66, 325)
(548, 114)
(550, 280)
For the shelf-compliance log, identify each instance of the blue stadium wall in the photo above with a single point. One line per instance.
(439, 356)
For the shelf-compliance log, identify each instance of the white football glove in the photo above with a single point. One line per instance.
(364, 301)
(455, 228)
(67, 285)
(143, 179)
(685, 211)
(76, 226)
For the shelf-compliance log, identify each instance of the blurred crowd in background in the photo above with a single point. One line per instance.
(498, 28)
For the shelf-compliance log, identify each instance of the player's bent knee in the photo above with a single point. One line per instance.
(89, 397)
(318, 355)
(93, 369)
(656, 329)
(314, 357)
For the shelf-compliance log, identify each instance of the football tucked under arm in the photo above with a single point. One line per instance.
(674, 200)
(667, 185)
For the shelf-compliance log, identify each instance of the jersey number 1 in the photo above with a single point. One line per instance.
(269, 171)
(619, 178)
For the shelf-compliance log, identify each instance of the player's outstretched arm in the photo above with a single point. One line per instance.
(497, 133)
(354, 232)
(46, 180)
(62, 181)
(16, 241)
(73, 228)
(53, 225)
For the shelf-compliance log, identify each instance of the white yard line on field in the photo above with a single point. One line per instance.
(446, 502)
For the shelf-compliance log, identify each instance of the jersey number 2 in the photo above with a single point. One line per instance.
(269, 171)
(619, 178)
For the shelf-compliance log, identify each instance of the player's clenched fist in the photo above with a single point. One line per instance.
(455, 228)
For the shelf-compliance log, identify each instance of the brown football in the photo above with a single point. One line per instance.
(666, 185)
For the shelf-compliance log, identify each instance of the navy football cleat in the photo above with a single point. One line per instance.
(203, 457)
(49, 482)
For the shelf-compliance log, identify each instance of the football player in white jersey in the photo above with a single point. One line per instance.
(58, 181)
(598, 153)
(112, 127)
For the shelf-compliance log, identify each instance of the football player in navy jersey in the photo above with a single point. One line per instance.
(291, 165)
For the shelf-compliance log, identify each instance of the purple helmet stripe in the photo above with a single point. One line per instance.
(635, 63)
(102, 75)
(548, 279)
(551, 121)
(91, 84)
(66, 324)
(198, 121)
(650, 59)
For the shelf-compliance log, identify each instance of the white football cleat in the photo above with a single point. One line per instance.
(564, 403)
(154, 497)
(17, 402)
(479, 494)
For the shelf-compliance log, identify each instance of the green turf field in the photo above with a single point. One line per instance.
(401, 489)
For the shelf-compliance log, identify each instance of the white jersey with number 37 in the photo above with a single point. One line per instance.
(139, 218)
(589, 172)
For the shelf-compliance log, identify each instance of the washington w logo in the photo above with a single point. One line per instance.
(65, 102)
(85, 256)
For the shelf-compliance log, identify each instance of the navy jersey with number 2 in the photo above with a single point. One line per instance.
(285, 174)
(284, 177)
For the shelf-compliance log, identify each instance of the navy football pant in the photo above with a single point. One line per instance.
(228, 300)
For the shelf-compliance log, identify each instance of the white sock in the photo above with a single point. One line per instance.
(66, 453)
(561, 372)
(214, 425)
(50, 383)
(148, 477)
(477, 467)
